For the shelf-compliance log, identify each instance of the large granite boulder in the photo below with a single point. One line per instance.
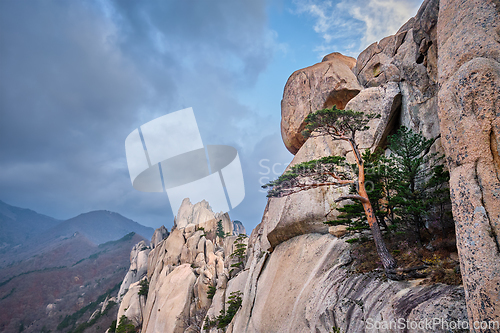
(330, 82)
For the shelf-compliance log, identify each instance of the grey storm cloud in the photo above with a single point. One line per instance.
(76, 77)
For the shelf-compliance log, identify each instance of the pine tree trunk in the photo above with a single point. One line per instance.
(387, 260)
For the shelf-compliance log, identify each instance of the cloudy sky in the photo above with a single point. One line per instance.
(76, 77)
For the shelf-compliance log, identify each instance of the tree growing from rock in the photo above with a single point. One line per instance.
(406, 189)
(125, 325)
(378, 181)
(419, 180)
(226, 314)
(334, 170)
(143, 291)
(239, 253)
(220, 230)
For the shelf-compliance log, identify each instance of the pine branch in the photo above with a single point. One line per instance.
(352, 197)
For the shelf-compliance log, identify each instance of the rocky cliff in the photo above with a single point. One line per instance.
(181, 268)
(438, 75)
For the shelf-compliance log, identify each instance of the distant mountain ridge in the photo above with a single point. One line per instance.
(24, 226)
(100, 226)
(17, 225)
(51, 269)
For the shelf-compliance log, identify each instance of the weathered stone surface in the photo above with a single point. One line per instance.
(364, 57)
(466, 30)
(302, 212)
(155, 259)
(294, 279)
(379, 70)
(138, 267)
(168, 308)
(160, 234)
(193, 214)
(384, 101)
(200, 248)
(336, 56)
(204, 281)
(173, 247)
(238, 228)
(210, 226)
(409, 56)
(189, 230)
(298, 298)
(218, 304)
(209, 247)
(317, 293)
(200, 260)
(424, 28)
(322, 85)
(190, 248)
(469, 99)
(410, 59)
(132, 305)
(178, 295)
(337, 230)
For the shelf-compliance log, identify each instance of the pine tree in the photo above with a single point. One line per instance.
(420, 179)
(125, 325)
(377, 178)
(239, 253)
(220, 230)
(333, 170)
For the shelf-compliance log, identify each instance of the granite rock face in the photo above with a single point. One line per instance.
(160, 234)
(167, 310)
(180, 270)
(132, 305)
(304, 286)
(303, 212)
(200, 215)
(469, 112)
(238, 228)
(138, 267)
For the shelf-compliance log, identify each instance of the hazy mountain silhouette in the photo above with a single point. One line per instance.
(64, 264)
(18, 225)
(99, 226)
